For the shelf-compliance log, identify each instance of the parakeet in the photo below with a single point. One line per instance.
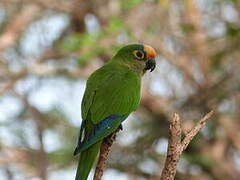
(112, 93)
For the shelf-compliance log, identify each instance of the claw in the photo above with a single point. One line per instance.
(121, 127)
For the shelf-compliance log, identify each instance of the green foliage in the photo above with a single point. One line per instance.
(187, 28)
(84, 58)
(87, 41)
(232, 30)
(74, 41)
(153, 28)
(230, 1)
(203, 161)
(90, 42)
(115, 24)
(216, 61)
(62, 157)
(126, 5)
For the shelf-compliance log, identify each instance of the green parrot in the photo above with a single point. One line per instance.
(111, 94)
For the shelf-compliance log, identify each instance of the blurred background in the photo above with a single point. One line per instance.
(48, 48)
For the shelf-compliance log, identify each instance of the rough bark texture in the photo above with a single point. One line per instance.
(176, 146)
(104, 151)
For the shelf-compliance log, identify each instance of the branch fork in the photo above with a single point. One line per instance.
(176, 146)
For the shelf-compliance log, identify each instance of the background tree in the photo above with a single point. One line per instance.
(49, 47)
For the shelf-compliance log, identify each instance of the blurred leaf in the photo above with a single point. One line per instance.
(130, 4)
(153, 28)
(71, 43)
(204, 161)
(75, 41)
(115, 24)
(233, 30)
(163, 3)
(63, 157)
(217, 60)
(187, 28)
(84, 58)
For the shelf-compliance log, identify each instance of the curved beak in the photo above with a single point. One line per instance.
(150, 65)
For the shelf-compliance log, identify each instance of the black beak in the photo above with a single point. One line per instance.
(150, 65)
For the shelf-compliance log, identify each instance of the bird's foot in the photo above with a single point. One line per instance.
(121, 127)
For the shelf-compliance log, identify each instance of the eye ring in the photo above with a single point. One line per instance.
(138, 54)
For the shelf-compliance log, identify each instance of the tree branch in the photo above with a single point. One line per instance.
(104, 151)
(176, 146)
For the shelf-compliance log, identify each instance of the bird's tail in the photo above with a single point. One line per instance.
(86, 160)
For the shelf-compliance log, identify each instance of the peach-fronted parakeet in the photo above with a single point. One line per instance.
(112, 93)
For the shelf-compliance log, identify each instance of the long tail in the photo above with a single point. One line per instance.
(86, 160)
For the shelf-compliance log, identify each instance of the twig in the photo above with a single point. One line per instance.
(193, 132)
(176, 146)
(104, 151)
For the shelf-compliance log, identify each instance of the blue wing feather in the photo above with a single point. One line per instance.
(100, 131)
(80, 137)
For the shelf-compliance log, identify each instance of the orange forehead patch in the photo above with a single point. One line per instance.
(151, 53)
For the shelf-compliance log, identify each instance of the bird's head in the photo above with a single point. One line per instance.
(138, 57)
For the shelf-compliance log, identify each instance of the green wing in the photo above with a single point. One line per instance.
(110, 90)
(110, 96)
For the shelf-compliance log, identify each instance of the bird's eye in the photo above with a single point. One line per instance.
(138, 54)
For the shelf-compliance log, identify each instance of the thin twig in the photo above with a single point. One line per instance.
(193, 132)
(104, 151)
(176, 146)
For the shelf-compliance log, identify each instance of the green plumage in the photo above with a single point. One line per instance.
(114, 89)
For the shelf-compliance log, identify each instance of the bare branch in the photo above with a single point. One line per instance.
(193, 132)
(176, 147)
(104, 151)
